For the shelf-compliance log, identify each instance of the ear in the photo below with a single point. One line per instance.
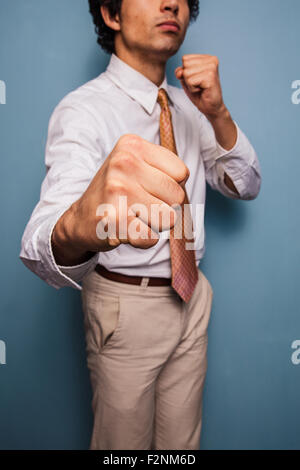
(111, 22)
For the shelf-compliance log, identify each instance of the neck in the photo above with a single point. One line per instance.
(152, 69)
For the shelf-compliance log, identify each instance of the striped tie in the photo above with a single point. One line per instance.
(183, 261)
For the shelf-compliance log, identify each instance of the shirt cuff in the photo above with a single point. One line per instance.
(238, 182)
(76, 273)
(241, 165)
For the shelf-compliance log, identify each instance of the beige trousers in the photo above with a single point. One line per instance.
(146, 352)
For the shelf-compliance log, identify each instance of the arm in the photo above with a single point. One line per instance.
(226, 136)
(240, 163)
(65, 225)
(71, 159)
(230, 161)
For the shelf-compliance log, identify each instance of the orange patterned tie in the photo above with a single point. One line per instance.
(183, 261)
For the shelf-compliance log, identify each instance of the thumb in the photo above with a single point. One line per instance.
(183, 84)
(178, 73)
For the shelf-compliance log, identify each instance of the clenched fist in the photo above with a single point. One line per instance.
(199, 76)
(149, 176)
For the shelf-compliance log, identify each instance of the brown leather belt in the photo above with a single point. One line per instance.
(153, 281)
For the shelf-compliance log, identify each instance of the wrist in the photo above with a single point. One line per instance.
(66, 249)
(225, 129)
(221, 115)
(62, 230)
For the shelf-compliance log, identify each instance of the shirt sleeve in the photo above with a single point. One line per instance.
(73, 155)
(240, 163)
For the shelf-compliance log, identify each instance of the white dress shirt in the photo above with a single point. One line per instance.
(84, 128)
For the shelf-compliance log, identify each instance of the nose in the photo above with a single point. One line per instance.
(170, 5)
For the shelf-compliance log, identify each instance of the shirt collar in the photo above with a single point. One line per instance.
(135, 84)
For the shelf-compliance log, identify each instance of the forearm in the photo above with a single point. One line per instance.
(224, 128)
(229, 183)
(226, 135)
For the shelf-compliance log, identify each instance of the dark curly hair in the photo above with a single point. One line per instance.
(106, 36)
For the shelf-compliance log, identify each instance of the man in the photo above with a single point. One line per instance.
(129, 135)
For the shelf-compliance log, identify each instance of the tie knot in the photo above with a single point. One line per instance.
(162, 98)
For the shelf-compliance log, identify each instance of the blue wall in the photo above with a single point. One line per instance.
(252, 259)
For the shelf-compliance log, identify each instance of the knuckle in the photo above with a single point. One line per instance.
(178, 193)
(123, 161)
(114, 186)
(184, 174)
(130, 140)
(113, 242)
(181, 195)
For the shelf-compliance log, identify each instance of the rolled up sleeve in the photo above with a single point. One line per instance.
(72, 158)
(240, 163)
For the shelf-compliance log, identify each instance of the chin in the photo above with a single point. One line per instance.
(168, 47)
(169, 51)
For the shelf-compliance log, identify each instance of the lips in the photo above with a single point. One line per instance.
(171, 25)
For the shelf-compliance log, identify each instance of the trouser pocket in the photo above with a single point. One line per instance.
(102, 320)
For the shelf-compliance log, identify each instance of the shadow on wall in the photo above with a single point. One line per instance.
(230, 214)
(54, 377)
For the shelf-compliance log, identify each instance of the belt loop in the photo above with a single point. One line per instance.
(144, 282)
